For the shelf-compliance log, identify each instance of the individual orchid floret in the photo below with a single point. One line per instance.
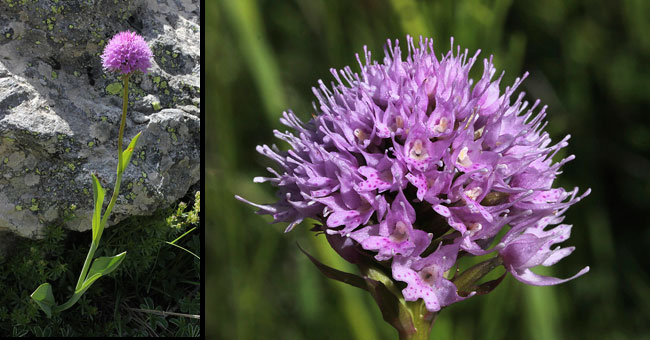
(533, 248)
(394, 234)
(127, 52)
(425, 277)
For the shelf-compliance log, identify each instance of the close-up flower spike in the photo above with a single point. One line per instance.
(411, 165)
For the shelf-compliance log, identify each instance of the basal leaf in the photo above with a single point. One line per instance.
(44, 298)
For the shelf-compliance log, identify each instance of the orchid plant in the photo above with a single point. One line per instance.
(126, 53)
(409, 166)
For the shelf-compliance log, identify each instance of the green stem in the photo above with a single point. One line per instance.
(60, 308)
(422, 321)
(125, 104)
(116, 190)
(95, 243)
(89, 258)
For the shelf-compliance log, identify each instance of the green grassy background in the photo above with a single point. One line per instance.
(588, 61)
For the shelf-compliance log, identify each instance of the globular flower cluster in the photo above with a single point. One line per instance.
(414, 163)
(127, 52)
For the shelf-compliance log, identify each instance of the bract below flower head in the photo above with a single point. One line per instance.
(127, 52)
(416, 163)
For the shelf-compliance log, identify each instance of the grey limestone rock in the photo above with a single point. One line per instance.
(60, 111)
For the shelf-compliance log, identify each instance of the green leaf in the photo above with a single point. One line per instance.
(100, 267)
(44, 298)
(106, 265)
(335, 274)
(98, 197)
(126, 155)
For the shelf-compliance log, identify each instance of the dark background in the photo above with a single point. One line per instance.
(588, 61)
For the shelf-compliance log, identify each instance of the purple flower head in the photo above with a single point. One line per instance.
(127, 52)
(416, 164)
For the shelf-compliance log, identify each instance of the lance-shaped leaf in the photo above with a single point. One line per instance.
(106, 265)
(44, 298)
(100, 267)
(98, 197)
(335, 274)
(126, 154)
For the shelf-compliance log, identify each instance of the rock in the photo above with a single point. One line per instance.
(60, 112)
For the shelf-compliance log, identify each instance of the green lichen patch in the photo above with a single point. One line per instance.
(114, 88)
